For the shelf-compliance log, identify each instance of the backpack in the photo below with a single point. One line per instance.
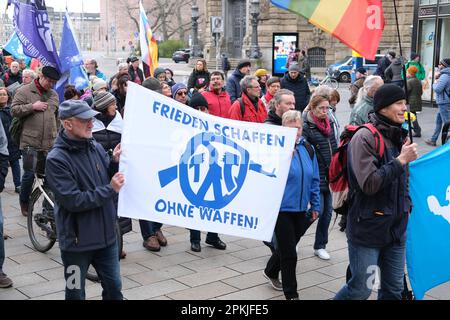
(338, 170)
(15, 129)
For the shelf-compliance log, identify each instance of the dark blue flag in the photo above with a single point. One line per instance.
(32, 26)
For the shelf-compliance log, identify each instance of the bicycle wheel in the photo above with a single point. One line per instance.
(41, 221)
(91, 273)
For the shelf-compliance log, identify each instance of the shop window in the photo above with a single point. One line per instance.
(316, 57)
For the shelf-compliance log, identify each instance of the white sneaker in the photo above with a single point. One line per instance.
(322, 254)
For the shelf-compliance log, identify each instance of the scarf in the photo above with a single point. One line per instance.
(323, 125)
(268, 96)
(44, 93)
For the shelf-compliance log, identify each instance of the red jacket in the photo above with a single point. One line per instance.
(218, 104)
(250, 113)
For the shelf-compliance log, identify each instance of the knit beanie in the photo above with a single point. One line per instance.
(386, 95)
(102, 100)
(243, 63)
(152, 84)
(198, 100)
(158, 71)
(294, 67)
(261, 73)
(445, 62)
(176, 87)
(98, 84)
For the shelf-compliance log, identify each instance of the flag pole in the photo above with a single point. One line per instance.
(405, 82)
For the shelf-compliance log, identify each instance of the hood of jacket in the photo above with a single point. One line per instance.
(238, 74)
(273, 118)
(287, 77)
(64, 142)
(116, 125)
(445, 71)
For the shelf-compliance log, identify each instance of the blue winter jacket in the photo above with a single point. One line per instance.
(303, 183)
(233, 85)
(78, 173)
(442, 87)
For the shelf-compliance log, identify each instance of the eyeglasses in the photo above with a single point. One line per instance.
(255, 87)
(179, 93)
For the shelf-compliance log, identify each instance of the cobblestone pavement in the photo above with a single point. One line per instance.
(178, 273)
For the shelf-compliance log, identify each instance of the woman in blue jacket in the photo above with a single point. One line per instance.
(299, 208)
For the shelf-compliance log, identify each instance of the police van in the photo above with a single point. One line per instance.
(342, 70)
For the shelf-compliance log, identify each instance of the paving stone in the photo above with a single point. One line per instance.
(333, 285)
(30, 267)
(200, 265)
(337, 270)
(251, 253)
(248, 243)
(131, 268)
(312, 278)
(441, 292)
(52, 274)
(247, 280)
(248, 266)
(209, 251)
(163, 262)
(153, 290)
(12, 294)
(28, 257)
(212, 275)
(40, 289)
(16, 250)
(315, 293)
(204, 292)
(27, 279)
(309, 264)
(148, 277)
(261, 292)
(60, 295)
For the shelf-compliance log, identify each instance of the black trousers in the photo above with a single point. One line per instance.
(290, 227)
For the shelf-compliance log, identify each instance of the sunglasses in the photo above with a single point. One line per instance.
(179, 93)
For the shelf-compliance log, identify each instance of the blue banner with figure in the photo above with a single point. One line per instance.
(14, 47)
(33, 29)
(428, 233)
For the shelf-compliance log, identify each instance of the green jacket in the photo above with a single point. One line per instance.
(360, 112)
(421, 71)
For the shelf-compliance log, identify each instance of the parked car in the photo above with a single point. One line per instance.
(181, 55)
(342, 70)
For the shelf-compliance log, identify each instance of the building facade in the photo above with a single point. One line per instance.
(119, 26)
(6, 28)
(321, 47)
(430, 35)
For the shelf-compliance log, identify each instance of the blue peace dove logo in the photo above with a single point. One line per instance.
(230, 166)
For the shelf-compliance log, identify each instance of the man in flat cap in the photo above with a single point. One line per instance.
(80, 174)
(36, 105)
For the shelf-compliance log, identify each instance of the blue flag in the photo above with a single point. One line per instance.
(32, 26)
(14, 46)
(428, 233)
(71, 60)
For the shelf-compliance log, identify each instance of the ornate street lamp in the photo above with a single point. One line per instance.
(195, 16)
(255, 52)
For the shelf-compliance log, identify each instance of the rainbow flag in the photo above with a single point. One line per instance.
(149, 46)
(357, 23)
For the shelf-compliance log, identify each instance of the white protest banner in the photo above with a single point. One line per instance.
(190, 169)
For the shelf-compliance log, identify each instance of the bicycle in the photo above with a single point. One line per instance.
(41, 223)
(327, 81)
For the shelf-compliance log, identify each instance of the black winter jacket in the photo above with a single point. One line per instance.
(273, 118)
(299, 86)
(6, 118)
(378, 188)
(79, 174)
(233, 86)
(325, 147)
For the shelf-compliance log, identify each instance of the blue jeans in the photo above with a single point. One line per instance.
(27, 186)
(442, 117)
(363, 263)
(2, 242)
(210, 236)
(106, 263)
(148, 228)
(324, 220)
(15, 168)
